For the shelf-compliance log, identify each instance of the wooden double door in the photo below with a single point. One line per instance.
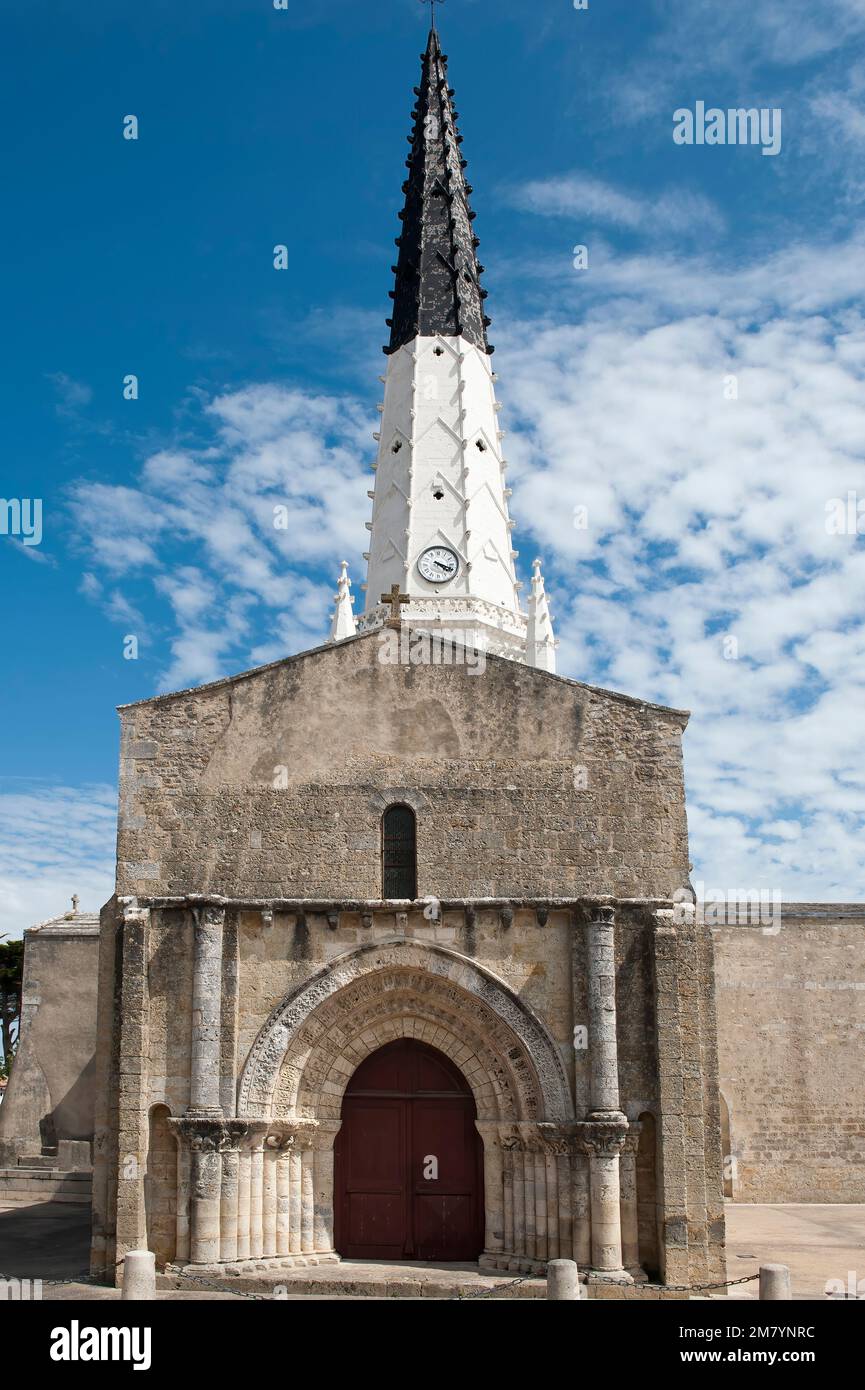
(408, 1176)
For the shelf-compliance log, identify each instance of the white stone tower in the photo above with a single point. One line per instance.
(440, 526)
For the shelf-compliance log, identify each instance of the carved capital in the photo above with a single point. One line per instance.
(603, 914)
(202, 1135)
(559, 1139)
(290, 1134)
(602, 1138)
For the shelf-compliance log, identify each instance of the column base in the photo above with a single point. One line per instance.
(264, 1265)
(609, 1276)
(497, 1261)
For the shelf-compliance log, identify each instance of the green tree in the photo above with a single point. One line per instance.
(11, 971)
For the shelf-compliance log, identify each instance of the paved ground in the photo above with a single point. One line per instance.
(817, 1242)
(50, 1241)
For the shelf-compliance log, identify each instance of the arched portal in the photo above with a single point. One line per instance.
(497, 1067)
(408, 1178)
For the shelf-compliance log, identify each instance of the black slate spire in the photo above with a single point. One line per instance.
(437, 274)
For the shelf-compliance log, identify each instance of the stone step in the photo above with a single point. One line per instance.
(43, 1160)
(28, 1185)
(357, 1281)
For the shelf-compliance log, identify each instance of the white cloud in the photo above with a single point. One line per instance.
(54, 841)
(590, 200)
(707, 519)
(72, 394)
(281, 491)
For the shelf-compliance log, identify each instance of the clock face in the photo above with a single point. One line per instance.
(439, 564)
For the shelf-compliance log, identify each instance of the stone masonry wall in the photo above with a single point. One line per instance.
(791, 1031)
(273, 784)
(51, 1094)
(665, 1043)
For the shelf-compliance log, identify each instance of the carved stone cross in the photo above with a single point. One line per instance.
(74, 902)
(395, 599)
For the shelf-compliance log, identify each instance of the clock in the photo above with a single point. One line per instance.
(439, 564)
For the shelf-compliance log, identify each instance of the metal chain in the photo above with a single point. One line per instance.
(83, 1278)
(673, 1288)
(688, 1288)
(487, 1293)
(87, 1278)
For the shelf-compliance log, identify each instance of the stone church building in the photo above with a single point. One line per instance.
(398, 965)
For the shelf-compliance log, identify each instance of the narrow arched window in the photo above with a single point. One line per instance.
(399, 852)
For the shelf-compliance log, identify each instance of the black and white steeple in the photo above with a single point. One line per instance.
(438, 290)
(440, 525)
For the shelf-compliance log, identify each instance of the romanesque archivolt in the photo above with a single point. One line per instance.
(519, 1071)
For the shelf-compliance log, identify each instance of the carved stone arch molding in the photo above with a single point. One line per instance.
(306, 1052)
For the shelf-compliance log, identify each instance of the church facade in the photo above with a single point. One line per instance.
(402, 962)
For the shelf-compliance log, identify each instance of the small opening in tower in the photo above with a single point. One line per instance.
(438, 494)
(438, 352)
(397, 445)
(479, 444)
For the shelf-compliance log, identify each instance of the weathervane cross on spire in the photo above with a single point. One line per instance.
(432, 5)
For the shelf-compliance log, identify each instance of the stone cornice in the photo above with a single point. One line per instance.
(324, 906)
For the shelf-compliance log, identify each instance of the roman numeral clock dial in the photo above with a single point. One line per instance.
(438, 564)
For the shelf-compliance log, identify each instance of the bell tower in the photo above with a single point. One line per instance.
(440, 526)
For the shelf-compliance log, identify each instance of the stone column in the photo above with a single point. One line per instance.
(322, 1211)
(307, 1195)
(603, 1042)
(582, 1209)
(603, 1142)
(494, 1211)
(529, 1209)
(244, 1192)
(630, 1214)
(558, 1142)
(204, 1087)
(213, 1199)
(256, 1198)
(283, 1188)
(508, 1195)
(552, 1186)
(228, 1205)
(268, 1197)
(541, 1220)
(603, 1133)
(295, 1166)
(513, 1147)
(204, 1194)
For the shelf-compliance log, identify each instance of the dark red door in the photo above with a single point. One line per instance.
(408, 1178)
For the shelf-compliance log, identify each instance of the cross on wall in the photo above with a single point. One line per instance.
(395, 599)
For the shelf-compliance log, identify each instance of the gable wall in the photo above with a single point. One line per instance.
(273, 786)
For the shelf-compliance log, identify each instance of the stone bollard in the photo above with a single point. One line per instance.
(562, 1280)
(139, 1275)
(775, 1282)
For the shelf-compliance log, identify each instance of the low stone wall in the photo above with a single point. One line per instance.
(24, 1186)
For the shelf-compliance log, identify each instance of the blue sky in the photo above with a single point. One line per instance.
(706, 513)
